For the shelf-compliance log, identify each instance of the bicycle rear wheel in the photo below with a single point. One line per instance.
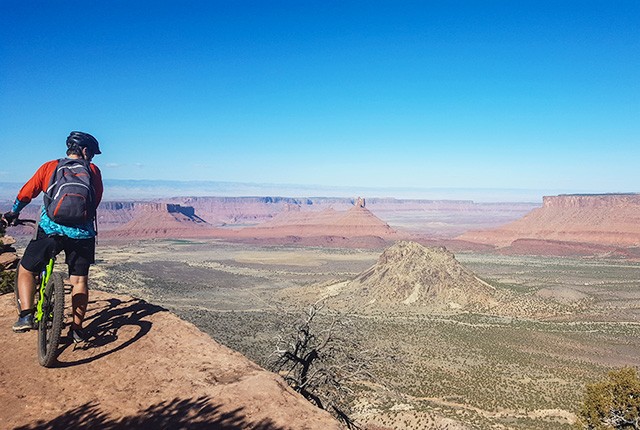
(50, 326)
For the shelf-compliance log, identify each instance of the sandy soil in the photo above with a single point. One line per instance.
(143, 368)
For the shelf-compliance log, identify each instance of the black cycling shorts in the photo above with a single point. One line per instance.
(79, 253)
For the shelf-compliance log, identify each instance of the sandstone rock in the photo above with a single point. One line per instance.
(7, 240)
(355, 222)
(162, 220)
(8, 260)
(604, 219)
(409, 275)
(152, 370)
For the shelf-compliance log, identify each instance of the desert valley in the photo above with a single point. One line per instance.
(464, 315)
(319, 215)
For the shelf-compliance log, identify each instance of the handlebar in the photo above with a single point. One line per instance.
(16, 222)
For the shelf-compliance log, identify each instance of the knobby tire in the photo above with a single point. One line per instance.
(50, 327)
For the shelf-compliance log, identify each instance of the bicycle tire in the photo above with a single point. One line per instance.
(50, 327)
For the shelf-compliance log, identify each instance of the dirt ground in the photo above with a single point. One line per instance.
(142, 368)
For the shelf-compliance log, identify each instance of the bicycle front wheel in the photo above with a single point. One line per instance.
(50, 326)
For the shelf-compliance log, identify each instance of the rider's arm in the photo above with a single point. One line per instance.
(97, 183)
(34, 186)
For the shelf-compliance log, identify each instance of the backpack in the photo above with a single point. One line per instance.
(70, 198)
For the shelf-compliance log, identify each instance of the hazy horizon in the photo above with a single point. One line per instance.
(141, 189)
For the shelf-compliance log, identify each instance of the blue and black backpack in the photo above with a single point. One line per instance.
(70, 198)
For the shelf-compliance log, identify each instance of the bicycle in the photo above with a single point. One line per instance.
(48, 318)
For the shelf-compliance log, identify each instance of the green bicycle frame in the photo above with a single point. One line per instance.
(46, 274)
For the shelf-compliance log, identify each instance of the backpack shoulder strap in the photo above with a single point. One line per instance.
(52, 181)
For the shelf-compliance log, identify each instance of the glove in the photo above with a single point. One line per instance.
(10, 217)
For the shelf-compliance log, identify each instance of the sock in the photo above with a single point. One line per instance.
(26, 312)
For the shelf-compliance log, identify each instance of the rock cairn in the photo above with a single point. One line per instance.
(8, 262)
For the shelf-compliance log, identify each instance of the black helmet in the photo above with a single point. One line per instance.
(83, 140)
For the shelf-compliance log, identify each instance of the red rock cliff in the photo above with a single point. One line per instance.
(608, 219)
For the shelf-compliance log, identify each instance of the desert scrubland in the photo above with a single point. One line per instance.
(522, 366)
(501, 329)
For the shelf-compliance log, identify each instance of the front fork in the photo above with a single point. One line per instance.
(44, 279)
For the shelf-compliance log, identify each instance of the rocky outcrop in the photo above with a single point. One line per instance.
(162, 220)
(145, 369)
(440, 216)
(318, 221)
(8, 257)
(408, 275)
(8, 262)
(591, 201)
(355, 222)
(165, 220)
(604, 219)
(243, 210)
(114, 214)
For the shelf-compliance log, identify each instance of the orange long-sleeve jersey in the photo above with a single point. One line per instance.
(41, 179)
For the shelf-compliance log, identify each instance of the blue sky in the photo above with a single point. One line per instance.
(434, 94)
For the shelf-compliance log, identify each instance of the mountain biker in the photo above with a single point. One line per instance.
(77, 241)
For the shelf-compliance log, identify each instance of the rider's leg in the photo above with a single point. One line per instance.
(34, 258)
(80, 255)
(79, 299)
(26, 288)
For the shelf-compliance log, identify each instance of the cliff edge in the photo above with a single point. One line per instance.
(145, 368)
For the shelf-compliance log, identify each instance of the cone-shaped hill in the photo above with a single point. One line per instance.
(408, 275)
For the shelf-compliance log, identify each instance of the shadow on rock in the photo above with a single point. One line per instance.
(105, 324)
(200, 413)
